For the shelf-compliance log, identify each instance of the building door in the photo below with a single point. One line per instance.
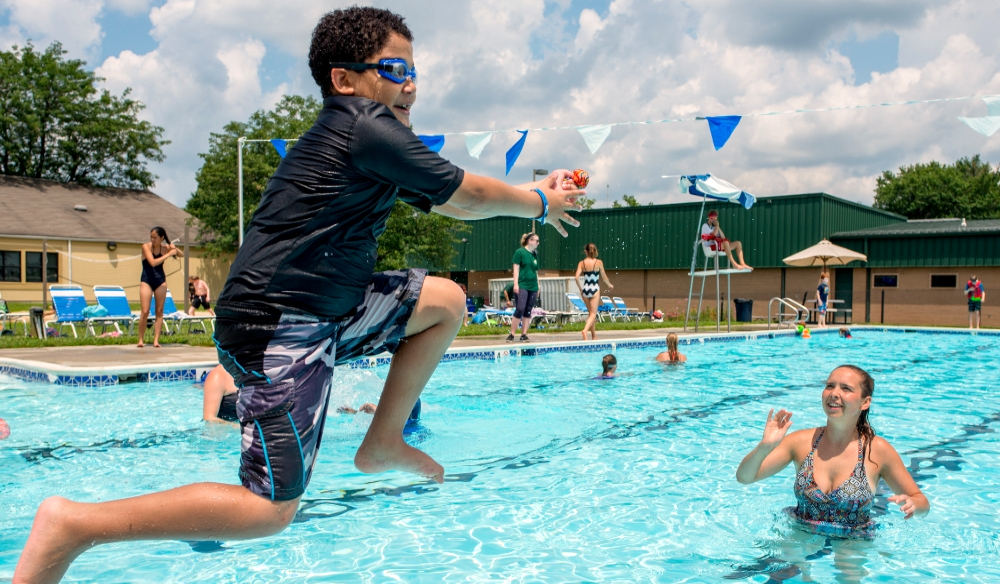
(844, 289)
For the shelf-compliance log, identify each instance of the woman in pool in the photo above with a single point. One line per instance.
(846, 452)
(219, 404)
(592, 270)
(153, 281)
(671, 355)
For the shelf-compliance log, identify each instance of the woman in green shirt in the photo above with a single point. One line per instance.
(525, 285)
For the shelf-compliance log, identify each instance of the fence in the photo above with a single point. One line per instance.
(552, 292)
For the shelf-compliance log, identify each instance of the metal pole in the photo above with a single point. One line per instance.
(729, 303)
(718, 296)
(882, 307)
(45, 274)
(239, 165)
(187, 271)
(694, 259)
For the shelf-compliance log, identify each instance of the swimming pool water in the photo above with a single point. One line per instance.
(552, 476)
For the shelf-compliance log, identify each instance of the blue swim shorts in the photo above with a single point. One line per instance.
(283, 365)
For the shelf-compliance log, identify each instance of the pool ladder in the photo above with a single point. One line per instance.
(801, 312)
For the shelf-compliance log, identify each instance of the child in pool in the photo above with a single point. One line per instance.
(219, 401)
(610, 365)
(845, 332)
(671, 355)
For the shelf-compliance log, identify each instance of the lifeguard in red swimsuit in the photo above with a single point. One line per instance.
(712, 234)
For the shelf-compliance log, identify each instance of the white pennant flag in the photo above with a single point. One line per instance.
(993, 105)
(594, 136)
(988, 125)
(476, 141)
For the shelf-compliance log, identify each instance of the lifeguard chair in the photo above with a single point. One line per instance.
(708, 187)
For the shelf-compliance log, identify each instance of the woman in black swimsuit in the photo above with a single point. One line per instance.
(154, 280)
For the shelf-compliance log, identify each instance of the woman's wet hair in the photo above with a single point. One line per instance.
(591, 250)
(672, 342)
(161, 232)
(526, 237)
(608, 362)
(865, 431)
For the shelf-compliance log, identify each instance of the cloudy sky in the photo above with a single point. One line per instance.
(505, 64)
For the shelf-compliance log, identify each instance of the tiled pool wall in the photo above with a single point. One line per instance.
(198, 373)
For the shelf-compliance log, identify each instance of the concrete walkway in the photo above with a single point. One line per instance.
(131, 357)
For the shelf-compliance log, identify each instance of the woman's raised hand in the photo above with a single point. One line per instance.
(776, 427)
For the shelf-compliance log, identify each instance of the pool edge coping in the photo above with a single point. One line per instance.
(30, 370)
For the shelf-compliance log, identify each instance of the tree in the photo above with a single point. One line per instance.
(586, 202)
(55, 124)
(970, 188)
(411, 239)
(630, 201)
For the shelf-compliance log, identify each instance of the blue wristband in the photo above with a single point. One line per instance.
(545, 206)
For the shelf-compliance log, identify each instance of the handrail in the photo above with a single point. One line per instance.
(801, 312)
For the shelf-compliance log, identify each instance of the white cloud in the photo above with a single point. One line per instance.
(71, 22)
(481, 69)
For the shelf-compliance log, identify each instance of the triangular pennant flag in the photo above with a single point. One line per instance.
(722, 128)
(476, 141)
(594, 136)
(279, 145)
(435, 143)
(993, 105)
(515, 150)
(987, 126)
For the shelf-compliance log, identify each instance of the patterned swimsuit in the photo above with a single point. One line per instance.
(845, 511)
(591, 285)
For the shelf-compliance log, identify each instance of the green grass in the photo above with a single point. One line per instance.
(20, 341)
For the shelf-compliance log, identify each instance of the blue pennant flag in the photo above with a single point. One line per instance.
(722, 128)
(279, 145)
(435, 143)
(515, 150)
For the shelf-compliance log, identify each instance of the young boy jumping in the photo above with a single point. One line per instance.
(301, 298)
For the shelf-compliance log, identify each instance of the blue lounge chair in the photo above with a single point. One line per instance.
(69, 303)
(113, 299)
(629, 312)
(579, 308)
(608, 307)
(172, 315)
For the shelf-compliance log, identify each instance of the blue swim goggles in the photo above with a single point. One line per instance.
(394, 70)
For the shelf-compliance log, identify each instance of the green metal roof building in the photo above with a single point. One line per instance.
(661, 236)
(929, 243)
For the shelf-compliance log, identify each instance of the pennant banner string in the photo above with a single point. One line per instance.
(774, 113)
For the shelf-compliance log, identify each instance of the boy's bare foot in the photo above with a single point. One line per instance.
(50, 548)
(373, 458)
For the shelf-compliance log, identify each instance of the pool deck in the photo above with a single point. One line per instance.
(112, 364)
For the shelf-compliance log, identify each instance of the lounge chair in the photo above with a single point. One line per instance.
(113, 299)
(172, 315)
(69, 303)
(578, 305)
(629, 312)
(608, 307)
(9, 320)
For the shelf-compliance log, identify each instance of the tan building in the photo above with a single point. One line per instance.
(92, 236)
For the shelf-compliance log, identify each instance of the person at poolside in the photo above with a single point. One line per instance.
(822, 295)
(976, 295)
(671, 355)
(609, 364)
(219, 400)
(302, 297)
(507, 297)
(153, 281)
(838, 465)
(525, 285)
(592, 270)
(201, 296)
(845, 332)
(711, 233)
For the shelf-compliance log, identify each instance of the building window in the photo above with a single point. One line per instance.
(944, 281)
(10, 266)
(885, 281)
(33, 267)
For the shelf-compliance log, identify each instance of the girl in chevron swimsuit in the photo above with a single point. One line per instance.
(591, 270)
(838, 465)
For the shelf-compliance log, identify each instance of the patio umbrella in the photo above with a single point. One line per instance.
(824, 253)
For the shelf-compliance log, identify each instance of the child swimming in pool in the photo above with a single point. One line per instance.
(219, 400)
(839, 465)
(671, 355)
(610, 365)
(302, 298)
(845, 332)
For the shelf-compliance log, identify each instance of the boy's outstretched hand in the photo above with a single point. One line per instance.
(562, 196)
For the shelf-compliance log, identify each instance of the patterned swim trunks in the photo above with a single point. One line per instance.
(283, 365)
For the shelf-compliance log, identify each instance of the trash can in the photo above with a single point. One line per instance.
(37, 316)
(744, 309)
